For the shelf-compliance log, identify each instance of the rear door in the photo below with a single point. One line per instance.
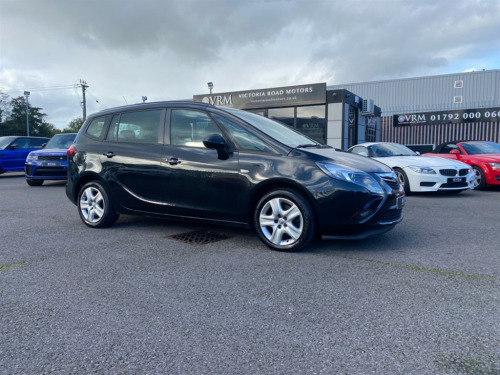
(131, 158)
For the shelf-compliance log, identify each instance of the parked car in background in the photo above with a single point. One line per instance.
(419, 173)
(51, 162)
(195, 161)
(15, 149)
(483, 156)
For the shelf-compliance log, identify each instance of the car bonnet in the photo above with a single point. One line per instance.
(346, 159)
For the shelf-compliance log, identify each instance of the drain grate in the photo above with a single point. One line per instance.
(199, 237)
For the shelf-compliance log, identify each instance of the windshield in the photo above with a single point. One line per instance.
(477, 148)
(5, 141)
(61, 141)
(390, 149)
(279, 132)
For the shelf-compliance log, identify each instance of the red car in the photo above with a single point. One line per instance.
(483, 156)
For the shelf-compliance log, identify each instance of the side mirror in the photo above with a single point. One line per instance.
(216, 142)
(417, 152)
(363, 153)
(455, 152)
(14, 147)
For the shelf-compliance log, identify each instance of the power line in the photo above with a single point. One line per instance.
(65, 87)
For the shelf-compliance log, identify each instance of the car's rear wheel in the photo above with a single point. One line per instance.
(34, 182)
(403, 179)
(479, 182)
(284, 221)
(95, 207)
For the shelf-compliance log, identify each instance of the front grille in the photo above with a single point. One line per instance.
(454, 185)
(448, 172)
(53, 157)
(51, 171)
(391, 181)
(453, 172)
(391, 215)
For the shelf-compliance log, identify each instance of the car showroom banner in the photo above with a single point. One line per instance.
(268, 98)
(446, 117)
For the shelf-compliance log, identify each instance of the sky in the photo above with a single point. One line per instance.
(170, 49)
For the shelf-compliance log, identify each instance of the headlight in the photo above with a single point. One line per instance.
(495, 165)
(354, 176)
(32, 157)
(425, 170)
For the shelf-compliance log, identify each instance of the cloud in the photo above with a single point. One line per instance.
(170, 49)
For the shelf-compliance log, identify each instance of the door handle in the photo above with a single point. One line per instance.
(109, 154)
(173, 161)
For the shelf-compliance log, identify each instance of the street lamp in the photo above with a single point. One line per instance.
(210, 86)
(26, 95)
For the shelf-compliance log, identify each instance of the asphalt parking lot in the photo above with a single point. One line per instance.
(421, 299)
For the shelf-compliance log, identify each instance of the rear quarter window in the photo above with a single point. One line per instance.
(96, 127)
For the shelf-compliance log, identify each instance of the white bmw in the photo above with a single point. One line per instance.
(419, 173)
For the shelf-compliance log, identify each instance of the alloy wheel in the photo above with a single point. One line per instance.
(281, 221)
(92, 204)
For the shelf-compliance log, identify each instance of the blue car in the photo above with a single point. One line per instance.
(50, 163)
(15, 149)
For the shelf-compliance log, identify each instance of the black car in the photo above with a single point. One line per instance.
(195, 161)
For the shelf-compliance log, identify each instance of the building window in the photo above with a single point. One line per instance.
(459, 84)
(284, 115)
(311, 121)
(457, 99)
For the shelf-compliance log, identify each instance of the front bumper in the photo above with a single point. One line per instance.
(44, 171)
(443, 180)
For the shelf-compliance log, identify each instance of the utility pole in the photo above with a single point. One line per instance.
(84, 86)
(26, 95)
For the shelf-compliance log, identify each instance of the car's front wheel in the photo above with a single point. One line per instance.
(479, 182)
(403, 179)
(34, 182)
(284, 221)
(95, 207)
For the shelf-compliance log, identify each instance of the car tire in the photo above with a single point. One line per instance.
(34, 182)
(284, 221)
(403, 179)
(480, 182)
(95, 207)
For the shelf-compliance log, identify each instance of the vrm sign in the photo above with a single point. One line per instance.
(447, 117)
(266, 98)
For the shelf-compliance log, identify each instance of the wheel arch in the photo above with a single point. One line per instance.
(278, 184)
(83, 180)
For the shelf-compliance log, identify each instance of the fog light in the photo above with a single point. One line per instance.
(368, 210)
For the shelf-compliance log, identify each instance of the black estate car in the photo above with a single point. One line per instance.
(195, 161)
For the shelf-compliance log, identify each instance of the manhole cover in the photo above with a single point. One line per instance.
(199, 237)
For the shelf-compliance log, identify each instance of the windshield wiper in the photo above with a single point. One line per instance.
(306, 145)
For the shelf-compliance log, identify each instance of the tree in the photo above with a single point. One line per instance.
(73, 126)
(15, 122)
(4, 105)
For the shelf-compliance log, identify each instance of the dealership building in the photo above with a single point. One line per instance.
(419, 112)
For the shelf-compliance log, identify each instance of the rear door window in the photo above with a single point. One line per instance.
(36, 142)
(139, 126)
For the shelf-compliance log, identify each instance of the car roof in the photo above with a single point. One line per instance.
(367, 144)
(152, 105)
